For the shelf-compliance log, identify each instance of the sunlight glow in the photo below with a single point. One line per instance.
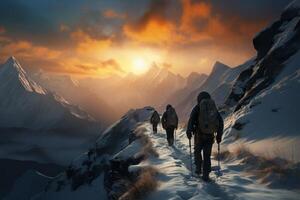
(140, 65)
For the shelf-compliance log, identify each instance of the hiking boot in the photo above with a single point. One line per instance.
(198, 171)
(205, 178)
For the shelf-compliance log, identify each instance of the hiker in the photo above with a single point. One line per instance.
(205, 120)
(154, 120)
(169, 122)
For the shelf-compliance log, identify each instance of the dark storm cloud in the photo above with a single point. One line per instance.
(249, 9)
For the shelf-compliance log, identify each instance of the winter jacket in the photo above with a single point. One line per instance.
(155, 119)
(166, 118)
(193, 123)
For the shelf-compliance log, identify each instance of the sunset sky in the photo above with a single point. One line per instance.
(107, 37)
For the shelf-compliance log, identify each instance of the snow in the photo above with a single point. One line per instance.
(272, 115)
(91, 192)
(26, 104)
(173, 164)
(287, 31)
(176, 181)
(293, 5)
(37, 124)
(219, 84)
(13, 71)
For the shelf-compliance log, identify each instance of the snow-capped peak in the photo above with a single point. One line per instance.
(15, 75)
(293, 5)
(13, 63)
(218, 66)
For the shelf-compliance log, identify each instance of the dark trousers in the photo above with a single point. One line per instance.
(203, 143)
(170, 135)
(154, 127)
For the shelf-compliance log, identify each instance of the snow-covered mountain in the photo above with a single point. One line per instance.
(218, 84)
(74, 93)
(130, 162)
(193, 81)
(261, 102)
(131, 91)
(89, 175)
(265, 97)
(36, 124)
(158, 84)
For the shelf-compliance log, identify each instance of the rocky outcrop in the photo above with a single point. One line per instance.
(274, 45)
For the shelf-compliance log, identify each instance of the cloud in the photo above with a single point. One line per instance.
(197, 23)
(86, 45)
(64, 28)
(109, 64)
(61, 36)
(2, 30)
(28, 51)
(112, 14)
(167, 65)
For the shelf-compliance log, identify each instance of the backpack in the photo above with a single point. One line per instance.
(155, 118)
(208, 116)
(172, 119)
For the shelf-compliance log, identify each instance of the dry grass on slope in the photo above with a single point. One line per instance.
(144, 184)
(148, 149)
(272, 171)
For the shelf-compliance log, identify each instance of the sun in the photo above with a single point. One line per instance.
(140, 65)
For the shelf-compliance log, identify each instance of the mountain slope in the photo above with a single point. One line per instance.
(112, 174)
(193, 81)
(274, 45)
(218, 84)
(89, 175)
(265, 97)
(74, 93)
(131, 91)
(36, 124)
(157, 84)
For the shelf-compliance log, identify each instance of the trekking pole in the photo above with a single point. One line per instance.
(191, 156)
(175, 137)
(219, 165)
(219, 155)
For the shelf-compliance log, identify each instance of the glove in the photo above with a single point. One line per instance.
(189, 134)
(219, 140)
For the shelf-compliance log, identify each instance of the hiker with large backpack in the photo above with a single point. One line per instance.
(205, 121)
(169, 122)
(154, 120)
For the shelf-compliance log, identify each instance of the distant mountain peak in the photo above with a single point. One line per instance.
(16, 76)
(293, 5)
(13, 63)
(218, 66)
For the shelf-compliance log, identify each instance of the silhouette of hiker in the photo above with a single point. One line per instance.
(204, 122)
(154, 120)
(170, 123)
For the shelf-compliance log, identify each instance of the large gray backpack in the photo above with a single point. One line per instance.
(208, 116)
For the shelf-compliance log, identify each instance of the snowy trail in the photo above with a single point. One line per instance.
(176, 181)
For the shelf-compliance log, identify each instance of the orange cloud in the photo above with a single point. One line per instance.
(197, 23)
(192, 12)
(28, 51)
(155, 32)
(109, 64)
(86, 45)
(113, 14)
